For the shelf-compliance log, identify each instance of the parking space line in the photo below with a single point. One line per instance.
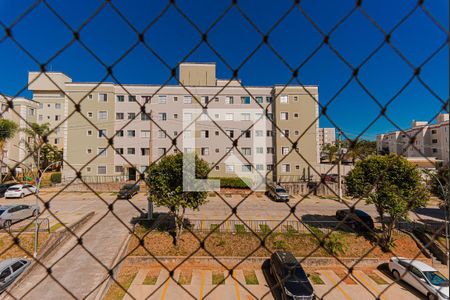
(163, 295)
(202, 284)
(237, 288)
(369, 286)
(338, 286)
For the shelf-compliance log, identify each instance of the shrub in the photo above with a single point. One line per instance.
(233, 182)
(335, 244)
(265, 229)
(280, 244)
(240, 228)
(56, 177)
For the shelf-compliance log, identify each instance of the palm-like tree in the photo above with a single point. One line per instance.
(38, 134)
(331, 150)
(7, 131)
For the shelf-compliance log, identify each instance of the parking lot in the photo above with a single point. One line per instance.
(203, 283)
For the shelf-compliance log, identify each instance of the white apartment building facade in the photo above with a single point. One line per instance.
(108, 132)
(431, 140)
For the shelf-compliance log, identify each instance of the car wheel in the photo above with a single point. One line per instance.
(396, 275)
(7, 224)
(22, 195)
(431, 297)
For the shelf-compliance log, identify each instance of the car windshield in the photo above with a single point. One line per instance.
(436, 278)
(298, 276)
(2, 211)
(14, 188)
(279, 190)
(127, 187)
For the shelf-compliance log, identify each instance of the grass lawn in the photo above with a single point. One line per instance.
(315, 278)
(245, 243)
(124, 278)
(250, 277)
(185, 277)
(218, 278)
(25, 246)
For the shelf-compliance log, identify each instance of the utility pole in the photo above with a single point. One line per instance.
(150, 153)
(339, 166)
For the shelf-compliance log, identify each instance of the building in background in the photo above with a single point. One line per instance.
(23, 113)
(327, 136)
(97, 113)
(430, 142)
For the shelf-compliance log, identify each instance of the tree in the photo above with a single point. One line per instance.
(440, 183)
(51, 154)
(331, 150)
(35, 142)
(359, 149)
(165, 180)
(393, 185)
(7, 131)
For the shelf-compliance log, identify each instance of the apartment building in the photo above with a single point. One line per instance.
(431, 140)
(23, 113)
(108, 132)
(327, 136)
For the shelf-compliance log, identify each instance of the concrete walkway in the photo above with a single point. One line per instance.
(79, 274)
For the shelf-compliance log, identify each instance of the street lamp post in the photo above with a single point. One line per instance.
(445, 194)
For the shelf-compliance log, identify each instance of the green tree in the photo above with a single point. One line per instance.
(359, 149)
(7, 131)
(440, 183)
(35, 143)
(331, 151)
(51, 154)
(393, 185)
(165, 180)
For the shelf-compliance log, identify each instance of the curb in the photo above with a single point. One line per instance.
(60, 237)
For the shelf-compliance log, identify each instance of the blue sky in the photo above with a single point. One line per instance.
(173, 38)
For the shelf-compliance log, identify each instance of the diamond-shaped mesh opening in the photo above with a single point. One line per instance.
(379, 66)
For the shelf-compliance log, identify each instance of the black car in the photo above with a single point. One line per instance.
(128, 191)
(290, 276)
(4, 187)
(357, 220)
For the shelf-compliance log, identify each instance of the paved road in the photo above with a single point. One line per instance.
(73, 267)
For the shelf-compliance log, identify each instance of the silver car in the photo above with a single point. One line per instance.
(10, 214)
(10, 269)
(20, 191)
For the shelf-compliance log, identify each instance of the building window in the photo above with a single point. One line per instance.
(230, 133)
(187, 116)
(145, 116)
(259, 150)
(103, 97)
(246, 168)
(229, 116)
(131, 116)
(145, 133)
(120, 98)
(284, 150)
(162, 99)
(229, 100)
(118, 169)
(40, 117)
(259, 99)
(90, 114)
(247, 134)
(269, 99)
(259, 133)
(187, 99)
(205, 151)
(102, 115)
(161, 151)
(217, 168)
(245, 116)
(187, 133)
(131, 151)
(259, 167)
(434, 141)
(131, 133)
(270, 150)
(89, 150)
(204, 99)
(295, 115)
(101, 133)
(131, 98)
(120, 116)
(175, 99)
(119, 133)
(269, 133)
(57, 117)
(101, 170)
(162, 116)
(56, 141)
(145, 151)
(245, 100)
(89, 132)
(58, 105)
(284, 116)
(229, 168)
(246, 151)
(269, 116)
(269, 167)
(285, 133)
(297, 132)
(435, 150)
(204, 134)
(88, 169)
(295, 98)
(285, 168)
(101, 151)
(119, 150)
(216, 133)
(217, 150)
(284, 99)
(161, 134)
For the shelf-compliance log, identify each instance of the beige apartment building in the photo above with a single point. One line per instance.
(23, 113)
(431, 140)
(108, 133)
(327, 136)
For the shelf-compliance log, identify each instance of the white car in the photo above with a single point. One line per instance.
(20, 191)
(421, 276)
(10, 214)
